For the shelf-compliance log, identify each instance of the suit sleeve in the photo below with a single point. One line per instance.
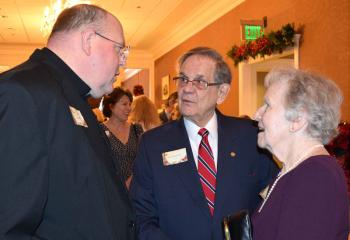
(23, 164)
(142, 196)
(268, 168)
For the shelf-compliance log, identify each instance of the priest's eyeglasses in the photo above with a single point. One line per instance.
(122, 51)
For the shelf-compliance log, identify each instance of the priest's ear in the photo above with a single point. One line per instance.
(86, 40)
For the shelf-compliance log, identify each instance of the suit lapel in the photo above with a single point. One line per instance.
(226, 154)
(187, 171)
(98, 141)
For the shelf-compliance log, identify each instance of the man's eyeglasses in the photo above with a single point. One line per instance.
(122, 51)
(182, 81)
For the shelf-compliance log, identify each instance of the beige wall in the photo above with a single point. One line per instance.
(325, 44)
(14, 54)
(141, 78)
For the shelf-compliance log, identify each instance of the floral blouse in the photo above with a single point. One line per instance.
(124, 154)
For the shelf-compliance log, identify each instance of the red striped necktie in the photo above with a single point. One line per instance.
(206, 169)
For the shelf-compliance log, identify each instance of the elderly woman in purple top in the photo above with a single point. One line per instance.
(308, 199)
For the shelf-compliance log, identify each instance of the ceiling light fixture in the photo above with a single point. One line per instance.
(52, 11)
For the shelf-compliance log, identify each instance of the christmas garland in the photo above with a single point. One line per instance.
(265, 45)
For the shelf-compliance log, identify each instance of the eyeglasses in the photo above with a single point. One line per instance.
(182, 81)
(122, 51)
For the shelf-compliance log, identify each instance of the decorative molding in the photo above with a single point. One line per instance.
(201, 18)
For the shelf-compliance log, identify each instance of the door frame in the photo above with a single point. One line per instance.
(247, 80)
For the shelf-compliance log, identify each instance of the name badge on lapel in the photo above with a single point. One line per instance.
(174, 157)
(77, 117)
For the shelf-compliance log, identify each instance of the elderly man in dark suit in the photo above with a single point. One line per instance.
(191, 173)
(58, 180)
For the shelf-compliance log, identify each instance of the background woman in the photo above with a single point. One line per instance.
(308, 200)
(122, 135)
(144, 112)
(175, 113)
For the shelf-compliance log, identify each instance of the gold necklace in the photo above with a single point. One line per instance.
(280, 175)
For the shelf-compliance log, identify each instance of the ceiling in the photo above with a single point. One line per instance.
(154, 26)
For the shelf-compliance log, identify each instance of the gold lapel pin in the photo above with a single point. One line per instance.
(232, 154)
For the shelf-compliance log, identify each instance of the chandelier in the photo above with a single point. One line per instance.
(52, 11)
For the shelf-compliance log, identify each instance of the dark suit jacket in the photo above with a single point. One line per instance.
(58, 180)
(169, 200)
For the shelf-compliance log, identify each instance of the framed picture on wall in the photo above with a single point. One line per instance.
(165, 87)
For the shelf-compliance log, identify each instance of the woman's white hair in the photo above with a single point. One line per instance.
(318, 96)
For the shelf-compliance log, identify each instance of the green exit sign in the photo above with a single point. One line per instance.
(252, 32)
(253, 28)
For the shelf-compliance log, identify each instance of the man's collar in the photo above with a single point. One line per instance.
(192, 128)
(47, 56)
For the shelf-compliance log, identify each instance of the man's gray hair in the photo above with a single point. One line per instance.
(222, 72)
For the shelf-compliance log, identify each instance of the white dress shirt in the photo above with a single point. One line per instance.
(195, 139)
